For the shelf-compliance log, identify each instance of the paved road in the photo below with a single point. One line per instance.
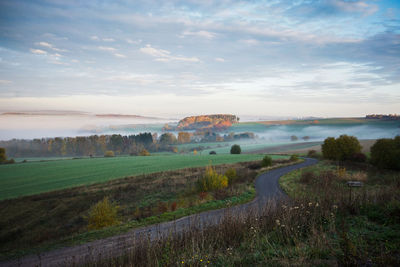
(267, 188)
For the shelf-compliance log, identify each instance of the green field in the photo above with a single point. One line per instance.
(37, 177)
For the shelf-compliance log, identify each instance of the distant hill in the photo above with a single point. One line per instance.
(213, 122)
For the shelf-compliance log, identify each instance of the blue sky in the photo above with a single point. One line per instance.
(278, 58)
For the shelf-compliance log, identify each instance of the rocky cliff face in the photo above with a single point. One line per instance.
(213, 122)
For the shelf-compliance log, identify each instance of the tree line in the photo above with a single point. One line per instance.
(94, 145)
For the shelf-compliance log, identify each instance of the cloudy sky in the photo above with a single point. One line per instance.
(278, 58)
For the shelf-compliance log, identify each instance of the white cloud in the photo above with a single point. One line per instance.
(94, 38)
(38, 51)
(359, 6)
(106, 48)
(50, 46)
(154, 51)
(108, 40)
(219, 59)
(129, 41)
(45, 44)
(250, 41)
(119, 55)
(164, 55)
(202, 34)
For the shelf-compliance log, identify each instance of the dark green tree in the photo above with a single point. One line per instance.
(342, 148)
(235, 149)
(385, 153)
(266, 161)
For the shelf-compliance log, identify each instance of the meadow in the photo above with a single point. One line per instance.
(320, 226)
(60, 218)
(37, 177)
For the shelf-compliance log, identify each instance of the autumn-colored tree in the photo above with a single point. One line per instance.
(167, 139)
(3, 156)
(104, 213)
(183, 137)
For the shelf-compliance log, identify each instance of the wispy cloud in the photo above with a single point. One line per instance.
(219, 59)
(164, 55)
(107, 48)
(50, 46)
(202, 34)
(38, 51)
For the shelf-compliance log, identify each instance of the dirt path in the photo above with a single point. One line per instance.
(267, 188)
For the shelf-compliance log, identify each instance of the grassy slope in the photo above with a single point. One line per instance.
(37, 177)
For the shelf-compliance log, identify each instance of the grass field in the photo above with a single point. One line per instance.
(38, 177)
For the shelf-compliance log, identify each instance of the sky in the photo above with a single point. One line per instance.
(171, 58)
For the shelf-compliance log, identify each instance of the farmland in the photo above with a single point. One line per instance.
(37, 177)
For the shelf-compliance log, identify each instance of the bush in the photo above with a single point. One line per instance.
(294, 138)
(312, 154)
(266, 161)
(213, 153)
(294, 158)
(144, 152)
(109, 154)
(235, 149)
(342, 148)
(231, 175)
(307, 177)
(359, 157)
(385, 153)
(103, 214)
(212, 181)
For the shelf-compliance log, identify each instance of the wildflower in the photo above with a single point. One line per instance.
(284, 206)
(335, 207)
(278, 222)
(316, 204)
(282, 225)
(201, 260)
(183, 262)
(296, 207)
(310, 204)
(333, 215)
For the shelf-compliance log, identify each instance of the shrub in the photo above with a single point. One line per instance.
(266, 161)
(144, 152)
(103, 214)
(162, 207)
(342, 148)
(231, 175)
(235, 149)
(294, 158)
(212, 181)
(213, 153)
(385, 153)
(307, 177)
(312, 154)
(294, 138)
(109, 154)
(359, 157)
(173, 206)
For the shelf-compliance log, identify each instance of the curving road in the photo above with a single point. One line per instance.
(267, 188)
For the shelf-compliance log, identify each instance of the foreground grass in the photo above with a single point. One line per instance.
(37, 177)
(322, 227)
(58, 218)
